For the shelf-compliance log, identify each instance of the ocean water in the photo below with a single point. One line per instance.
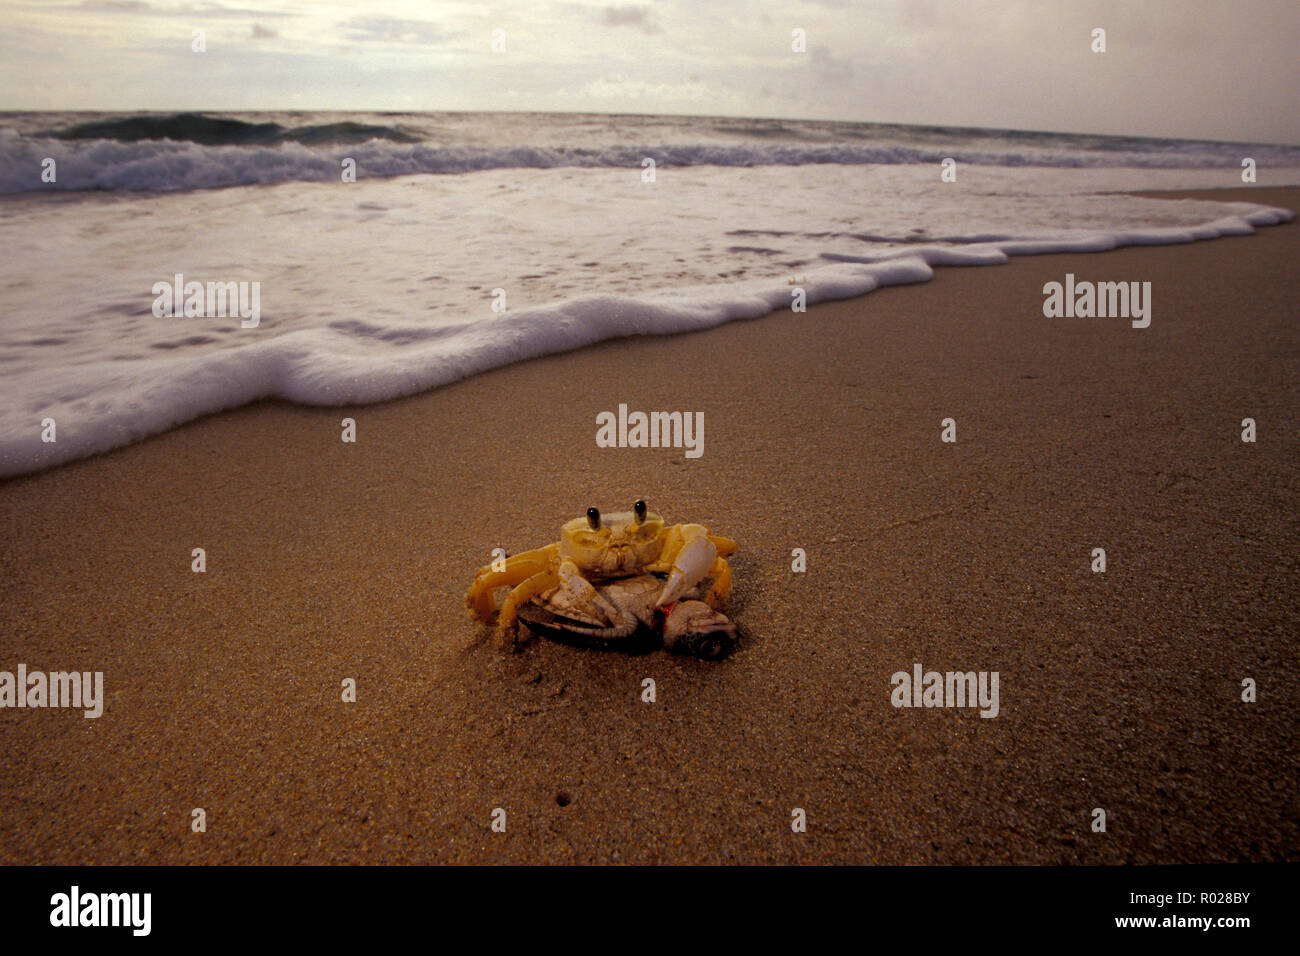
(386, 286)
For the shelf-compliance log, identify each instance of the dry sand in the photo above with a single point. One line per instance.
(327, 560)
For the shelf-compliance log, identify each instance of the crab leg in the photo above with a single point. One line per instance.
(690, 564)
(519, 568)
(522, 594)
(726, 547)
(721, 574)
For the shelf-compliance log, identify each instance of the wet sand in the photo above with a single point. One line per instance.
(325, 561)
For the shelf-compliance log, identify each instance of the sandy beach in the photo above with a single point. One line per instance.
(325, 561)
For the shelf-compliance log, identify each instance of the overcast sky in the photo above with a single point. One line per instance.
(1217, 69)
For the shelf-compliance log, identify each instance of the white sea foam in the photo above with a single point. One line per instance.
(383, 288)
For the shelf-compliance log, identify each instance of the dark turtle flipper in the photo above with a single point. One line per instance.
(545, 622)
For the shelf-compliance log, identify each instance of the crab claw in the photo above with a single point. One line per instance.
(692, 627)
(690, 566)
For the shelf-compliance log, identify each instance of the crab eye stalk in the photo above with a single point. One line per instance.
(593, 518)
(639, 510)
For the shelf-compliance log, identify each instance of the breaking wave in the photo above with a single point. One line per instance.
(193, 151)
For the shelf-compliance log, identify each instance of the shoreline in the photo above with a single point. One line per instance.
(530, 333)
(327, 560)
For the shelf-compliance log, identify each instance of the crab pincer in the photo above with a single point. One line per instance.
(693, 561)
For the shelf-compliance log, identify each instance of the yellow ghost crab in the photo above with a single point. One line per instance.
(595, 549)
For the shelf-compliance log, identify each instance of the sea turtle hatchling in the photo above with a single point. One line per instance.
(625, 615)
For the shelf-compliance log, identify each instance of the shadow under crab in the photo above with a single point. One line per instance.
(624, 617)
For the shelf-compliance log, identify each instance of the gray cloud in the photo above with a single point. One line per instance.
(191, 11)
(629, 16)
(119, 6)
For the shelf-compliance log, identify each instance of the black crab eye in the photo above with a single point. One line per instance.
(639, 510)
(593, 518)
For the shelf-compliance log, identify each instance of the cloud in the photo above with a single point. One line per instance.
(121, 6)
(395, 30)
(1190, 68)
(188, 10)
(630, 16)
